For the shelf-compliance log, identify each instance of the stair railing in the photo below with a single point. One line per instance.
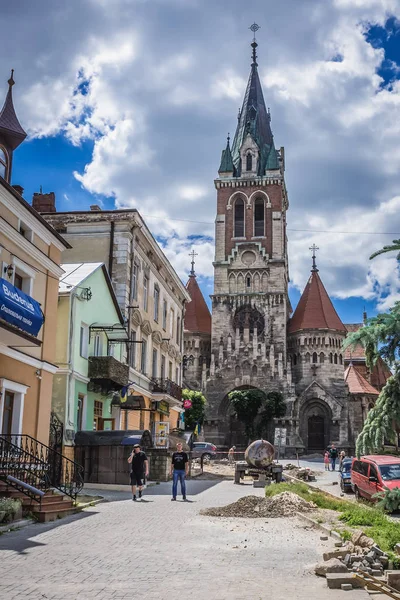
(38, 465)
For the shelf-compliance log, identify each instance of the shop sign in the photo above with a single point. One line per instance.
(19, 309)
(163, 407)
(161, 433)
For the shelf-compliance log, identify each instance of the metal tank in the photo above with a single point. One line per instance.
(260, 454)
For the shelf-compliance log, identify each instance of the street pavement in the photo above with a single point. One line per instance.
(158, 549)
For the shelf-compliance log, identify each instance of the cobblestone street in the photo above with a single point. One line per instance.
(160, 549)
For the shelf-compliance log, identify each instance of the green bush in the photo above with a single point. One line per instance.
(10, 507)
(389, 500)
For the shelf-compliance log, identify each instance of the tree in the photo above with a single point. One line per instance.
(247, 405)
(274, 407)
(381, 338)
(196, 414)
(395, 247)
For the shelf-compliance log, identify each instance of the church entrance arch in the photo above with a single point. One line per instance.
(234, 429)
(315, 425)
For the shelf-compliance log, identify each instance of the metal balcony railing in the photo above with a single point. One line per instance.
(166, 386)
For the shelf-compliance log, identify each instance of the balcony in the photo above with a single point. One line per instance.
(108, 373)
(166, 387)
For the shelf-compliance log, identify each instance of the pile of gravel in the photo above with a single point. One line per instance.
(285, 504)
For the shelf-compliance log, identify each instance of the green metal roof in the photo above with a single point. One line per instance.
(226, 165)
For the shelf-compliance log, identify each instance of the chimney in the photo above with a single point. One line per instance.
(95, 207)
(19, 189)
(44, 203)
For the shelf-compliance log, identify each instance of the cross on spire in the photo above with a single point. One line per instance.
(192, 255)
(254, 44)
(314, 264)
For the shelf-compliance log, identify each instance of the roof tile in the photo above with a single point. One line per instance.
(357, 384)
(197, 315)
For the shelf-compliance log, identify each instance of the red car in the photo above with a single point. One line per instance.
(373, 474)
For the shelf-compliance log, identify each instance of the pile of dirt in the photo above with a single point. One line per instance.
(285, 504)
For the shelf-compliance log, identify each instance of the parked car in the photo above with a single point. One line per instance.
(345, 475)
(373, 474)
(205, 450)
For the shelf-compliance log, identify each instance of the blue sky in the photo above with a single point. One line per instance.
(128, 103)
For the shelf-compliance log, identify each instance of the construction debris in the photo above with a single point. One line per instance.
(285, 504)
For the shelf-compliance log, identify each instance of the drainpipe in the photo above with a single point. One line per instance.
(69, 361)
(111, 250)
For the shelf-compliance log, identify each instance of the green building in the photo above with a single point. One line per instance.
(90, 352)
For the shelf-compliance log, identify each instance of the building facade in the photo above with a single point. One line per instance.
(90, 350)
(150, 295)
(30, 256)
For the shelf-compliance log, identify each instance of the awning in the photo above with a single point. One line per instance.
(115, 332)
(129, 402)
(19, 309)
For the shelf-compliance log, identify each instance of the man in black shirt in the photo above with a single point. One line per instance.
(139, 470)
(179, 470)
(333, 454)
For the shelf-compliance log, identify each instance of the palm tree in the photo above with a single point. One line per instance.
(393, 248)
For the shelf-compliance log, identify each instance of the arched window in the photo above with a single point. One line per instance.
(249, 162)
(331, 357)
(307, 357)
(340, 359)
(315, 357)
(335, 359)
(239, 217)
(3, 163)
(294, 359)
(259, 217)
(322, 358)
(248, 282)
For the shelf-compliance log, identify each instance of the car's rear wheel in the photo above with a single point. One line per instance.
(206, 457)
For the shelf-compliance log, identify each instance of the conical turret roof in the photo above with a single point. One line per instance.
(10, 127)
(315, 309)
(197, 315)
(357, 383)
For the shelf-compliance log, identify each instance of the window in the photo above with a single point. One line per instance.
(98, 345)
(134, 280)
(79, 412)
(315, 357)
(8, 410)
(331, 358)
(335, 359)
(156, 302)
(170, 370)
(178, 329)
(176, 375)
(98, 414)
(18, 281)
(154, 364)
(248, 282)
(249, 162)
(373, 472)
(3, 163)
(25, 231)
(164, 315)
(322, 358)
(132, 350)
(259, 218)
(143, 358)
(84, 341)
(171, 324)
(145, 292)
(162, 367)
(239, 218)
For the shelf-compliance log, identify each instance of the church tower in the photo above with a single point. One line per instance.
(250, 305)
(11, 133)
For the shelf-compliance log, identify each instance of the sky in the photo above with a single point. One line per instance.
(128, 103)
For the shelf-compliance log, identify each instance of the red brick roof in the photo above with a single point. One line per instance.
(380, 372)
(197, 315)
(315, 309)
(357, 384)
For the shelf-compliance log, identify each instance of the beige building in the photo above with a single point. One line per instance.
(151, 297)
(30, 255)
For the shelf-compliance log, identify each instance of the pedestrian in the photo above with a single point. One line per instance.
(333, 454)
(231, 454)
(139, 470)
(342, 456)
(179, 470)
(326, 460)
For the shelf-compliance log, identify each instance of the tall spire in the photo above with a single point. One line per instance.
(192, 255)
(254, 120)
(11, 132)
(226, 167)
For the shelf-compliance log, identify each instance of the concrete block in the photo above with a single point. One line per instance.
(334, 554)
(393, 579)
(346, 587)
(335, 580)
(323, 538)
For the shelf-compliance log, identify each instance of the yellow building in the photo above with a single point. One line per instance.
(30, 255)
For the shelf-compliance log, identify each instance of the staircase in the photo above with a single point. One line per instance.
(45, 481)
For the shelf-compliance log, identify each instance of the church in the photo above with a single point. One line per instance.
(252, 338)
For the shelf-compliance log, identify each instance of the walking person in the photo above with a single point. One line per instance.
(139, 470)
(333, 454)
(342, 456)
(179, 470)
(231, 454)
(326, 460)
